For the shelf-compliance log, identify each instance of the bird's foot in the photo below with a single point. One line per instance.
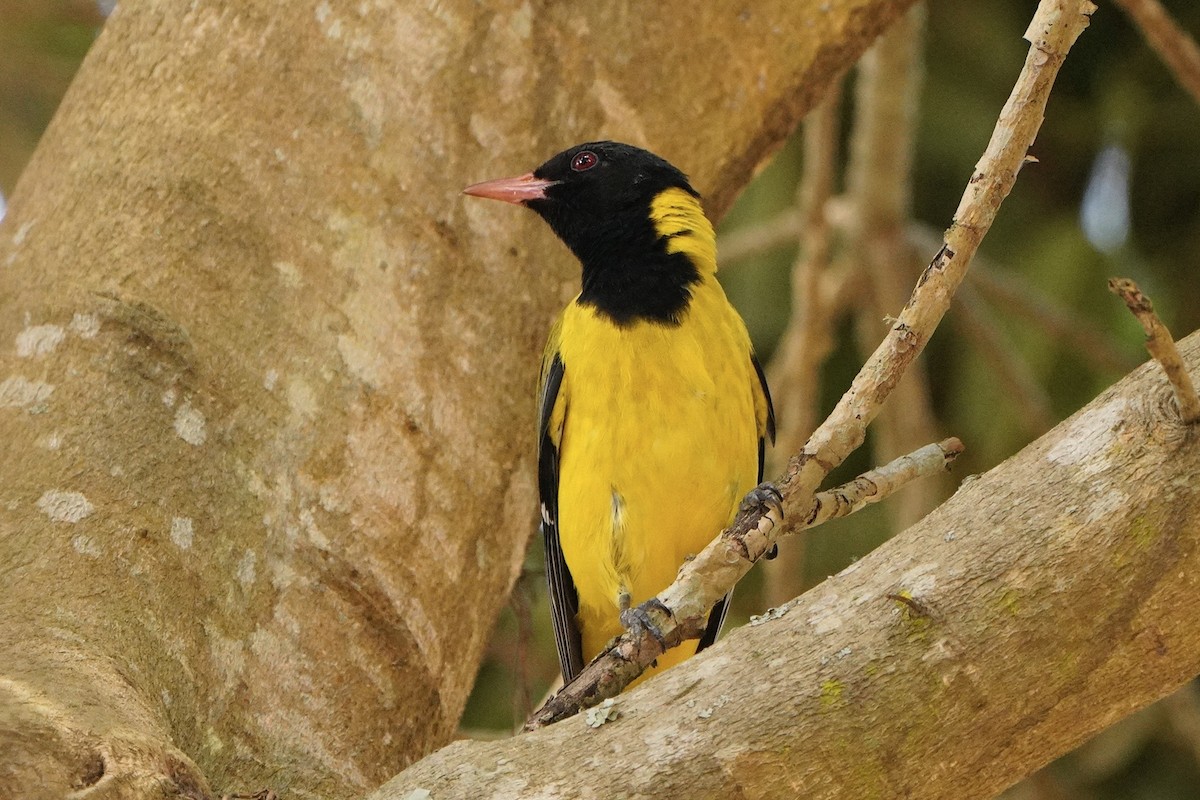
(761, 499)
(637, 620)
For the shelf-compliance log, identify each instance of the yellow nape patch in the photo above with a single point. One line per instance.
(679, 217)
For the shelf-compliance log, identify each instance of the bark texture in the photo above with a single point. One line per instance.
(1044, 601)
(265, 382)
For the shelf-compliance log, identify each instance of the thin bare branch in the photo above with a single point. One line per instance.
(1010, 370)
(681, 611)
(1174, 46)
(781, 230)
(1018, 297)
(878, 200)
(879, 483)
(795, 372)
(1161, 347)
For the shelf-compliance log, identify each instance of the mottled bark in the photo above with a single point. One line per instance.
(1044, 601)
(265, 396)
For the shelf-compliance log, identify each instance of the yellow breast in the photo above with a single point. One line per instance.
(659, 443)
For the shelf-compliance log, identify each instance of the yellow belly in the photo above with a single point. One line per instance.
(659, 444)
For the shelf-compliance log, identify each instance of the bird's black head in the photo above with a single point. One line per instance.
(633, 221)
(601, 181)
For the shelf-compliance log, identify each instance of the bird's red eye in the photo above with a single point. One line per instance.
(584, 160)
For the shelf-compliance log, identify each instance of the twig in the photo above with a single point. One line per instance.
(1090, 341)
(521, 602)
(1161, 347)
(681, 611)
(781, 230)
(795, 372)
(879, 199)
(1011, 372)
(1018, 297)
(875, 485)
(1177, 50)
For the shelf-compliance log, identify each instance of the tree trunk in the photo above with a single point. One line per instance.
(267, 401)
(1044, 601)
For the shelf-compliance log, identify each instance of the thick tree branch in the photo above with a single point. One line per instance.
(251, 336)
(1057, 595)
(680, 611)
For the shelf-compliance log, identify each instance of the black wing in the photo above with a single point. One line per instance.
(564, 600)
(716, 618)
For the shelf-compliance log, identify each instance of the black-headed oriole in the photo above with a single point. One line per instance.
(653, 409)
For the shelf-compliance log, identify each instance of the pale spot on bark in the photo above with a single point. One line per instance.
(1107, 501)
(521, 21)
(362, 359)
(51, 442)
(20, 392)
(289, 273)
(370, 102)
(212, 742)
(332, 27)
(302, 398)
(22, 232)
(270, 379)
(86, 545)
(246, 571)
(169, 397)
(919, 580)
(824, 616)
(182, 532)
(189, 424)
(85, 325)
(309, 522)
(331, 499)
(63, 506)
(228, 653)
(38, 340)
(1088, 436)
(618, 109)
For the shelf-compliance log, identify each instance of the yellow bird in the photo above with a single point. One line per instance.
(653, 409)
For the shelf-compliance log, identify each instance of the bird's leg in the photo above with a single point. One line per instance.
(761, 499)
(637, 620)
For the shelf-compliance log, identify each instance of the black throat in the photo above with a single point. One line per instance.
(628, 275)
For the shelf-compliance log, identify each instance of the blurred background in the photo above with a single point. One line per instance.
(851, 209)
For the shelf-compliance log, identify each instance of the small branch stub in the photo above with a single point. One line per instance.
(1161, 347)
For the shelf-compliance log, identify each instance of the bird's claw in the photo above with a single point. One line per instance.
(637, 619)
(762, 498)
